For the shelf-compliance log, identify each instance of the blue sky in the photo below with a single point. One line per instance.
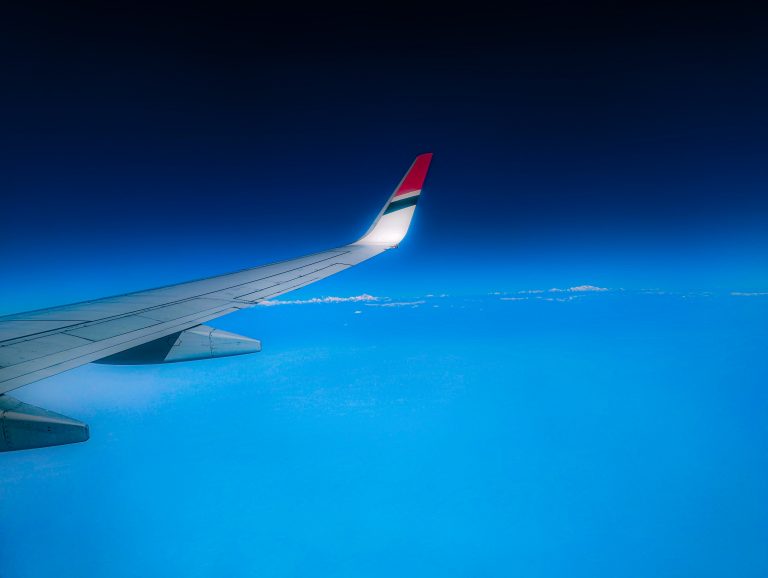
(466, 419)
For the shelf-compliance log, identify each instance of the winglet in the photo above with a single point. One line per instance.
(393, 221)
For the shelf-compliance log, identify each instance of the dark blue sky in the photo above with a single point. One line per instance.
(625, 145)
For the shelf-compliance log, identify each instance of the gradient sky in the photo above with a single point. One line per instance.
(489, 432)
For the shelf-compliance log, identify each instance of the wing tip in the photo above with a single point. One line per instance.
(392, 224)
(416, 175)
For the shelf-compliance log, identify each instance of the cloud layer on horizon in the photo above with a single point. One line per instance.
(364, 298)
(555, 294)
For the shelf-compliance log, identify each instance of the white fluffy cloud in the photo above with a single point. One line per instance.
(575, 289)
(581, 288)
(370, 300)
(397, 304)
(364, 298)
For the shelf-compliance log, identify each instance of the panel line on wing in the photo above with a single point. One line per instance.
(148, 310)
(19, 375)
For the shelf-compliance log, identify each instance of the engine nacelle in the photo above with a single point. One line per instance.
(201, 342)
(24, 426)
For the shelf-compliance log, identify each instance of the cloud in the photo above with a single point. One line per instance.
(370, 300)
(560, 299)
(575, 289)
(543, 298)
(581, 291)
(364, 298)
(581, 288)
(397, 304)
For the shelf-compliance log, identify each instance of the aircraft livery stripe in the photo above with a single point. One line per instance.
(401, 204)
(414, 179)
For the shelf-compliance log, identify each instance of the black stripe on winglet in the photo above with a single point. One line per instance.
(401, 204)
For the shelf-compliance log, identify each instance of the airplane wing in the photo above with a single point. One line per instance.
(165, 324)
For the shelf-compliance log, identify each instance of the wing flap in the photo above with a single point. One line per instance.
(24, 426)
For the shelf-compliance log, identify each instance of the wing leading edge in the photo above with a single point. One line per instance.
(42, 343)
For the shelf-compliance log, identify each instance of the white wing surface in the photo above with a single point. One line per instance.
(38, 344)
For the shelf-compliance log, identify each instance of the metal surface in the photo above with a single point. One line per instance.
(201, 342)
(24, 426)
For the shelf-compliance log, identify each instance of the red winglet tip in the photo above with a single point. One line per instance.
(414, 179)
